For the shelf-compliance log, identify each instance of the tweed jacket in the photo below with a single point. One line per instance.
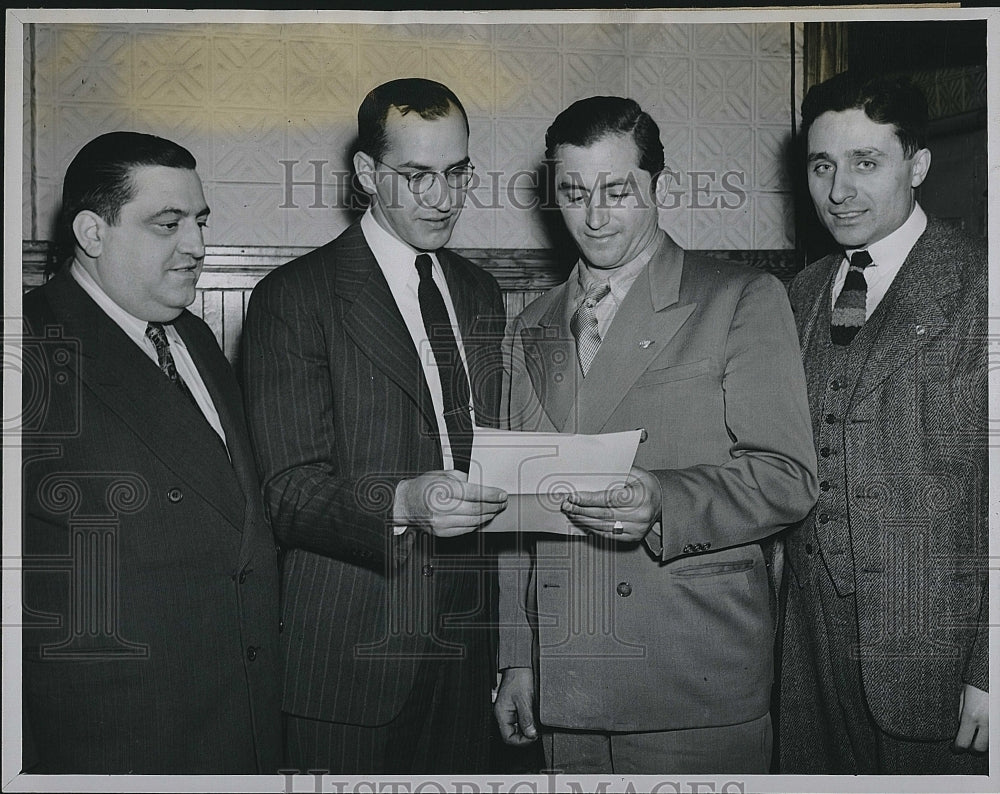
(151, 579)
(339, 413)
(674, 632)
(914, 476)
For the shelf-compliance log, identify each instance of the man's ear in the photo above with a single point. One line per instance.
(88, 229)
(364, 167)
(921, 165)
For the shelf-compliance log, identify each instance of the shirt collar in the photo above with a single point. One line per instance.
(395, 257)
(891, 251)
(620, 279)
(134, 328)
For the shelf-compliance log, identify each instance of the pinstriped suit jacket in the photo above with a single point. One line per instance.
(340, 413)
(151, 581)
(915, 473)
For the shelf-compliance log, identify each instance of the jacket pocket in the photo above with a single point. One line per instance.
(693, 369)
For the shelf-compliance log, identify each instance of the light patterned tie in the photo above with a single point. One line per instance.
(849, 310)
(158, 336)
(584, 325)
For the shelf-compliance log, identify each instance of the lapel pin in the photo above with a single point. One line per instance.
(645, 343)
(921, 330)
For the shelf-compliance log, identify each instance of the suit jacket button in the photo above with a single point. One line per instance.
(824, 518)
(427, 570)
(175, 495)
(251, 653)
(624, 589)
(809, 549)
(825, 485)
(281, 626)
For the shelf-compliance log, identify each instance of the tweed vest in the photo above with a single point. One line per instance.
(829, 525)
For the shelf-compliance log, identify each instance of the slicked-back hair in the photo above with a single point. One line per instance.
(885, 99)
(426, 98)
(589, 120)
(100, 180)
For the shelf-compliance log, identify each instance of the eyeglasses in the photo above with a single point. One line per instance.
(421, 181)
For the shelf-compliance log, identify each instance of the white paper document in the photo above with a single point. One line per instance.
(538, 471)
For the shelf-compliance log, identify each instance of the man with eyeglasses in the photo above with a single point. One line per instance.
(367, 365)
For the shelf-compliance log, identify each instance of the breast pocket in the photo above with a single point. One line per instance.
(677, 372)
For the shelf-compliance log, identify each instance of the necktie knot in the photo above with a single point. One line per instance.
(423, 264)
(861, 259)
(596, 292)
(158, 336)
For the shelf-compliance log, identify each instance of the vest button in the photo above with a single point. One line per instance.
(824, 486)
(175, 495)
(624, 589)
(824, 452)
(251, 653)
(831, 419)
(835, 384)
(824, 518)
(809, 549)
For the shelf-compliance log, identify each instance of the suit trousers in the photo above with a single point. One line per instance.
(825, 725)
(443, 728)
(743, 749)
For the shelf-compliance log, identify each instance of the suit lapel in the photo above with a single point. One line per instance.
(550, 358)
(915, 308)
(131, 385)
(643, 326)
(375, 324)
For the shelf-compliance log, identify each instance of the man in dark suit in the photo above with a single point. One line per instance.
(150, 575)
(884, 664)
(647, 643)
(367, 363)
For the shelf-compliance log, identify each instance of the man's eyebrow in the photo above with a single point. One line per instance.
(170, 211)
(421, 167)
(867, 151)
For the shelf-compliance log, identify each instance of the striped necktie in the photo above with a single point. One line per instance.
(849, 310)
(158, 336)
(584, 324)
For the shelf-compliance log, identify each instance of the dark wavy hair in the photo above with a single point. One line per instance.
(100, 180)
(589, 120)
(885, 99)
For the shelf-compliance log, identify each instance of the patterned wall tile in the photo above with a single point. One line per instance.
(723, 90)
(720, 149)
(314, 226)
(192, 131)
(590, 74)
(468, 71)
(677, 223)
(381, 61)
(594, 37)
(248, 213)
(716, 226)
(93, 65)
(171, 69)
(774, 222)
(661, 39)
(723, 39)
(459, 34)
(520, 147)
(321, 31)
(246, 146)
(527, 35)
(77, 124)
(773, 158)
(42, 47)
(525, 228)
(248, 72)
(662, 86)
(676, 141)
(772, 92)
(322, 75)
(772, 39)
(476, 227)
(482, 149)
(373, 35)
(321, 137)
(49, 198)
(528, 83)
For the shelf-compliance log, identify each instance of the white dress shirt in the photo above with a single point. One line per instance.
(135, 329)
(397, 262)
(888, 255)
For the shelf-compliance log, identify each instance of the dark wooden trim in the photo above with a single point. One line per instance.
(516, 270)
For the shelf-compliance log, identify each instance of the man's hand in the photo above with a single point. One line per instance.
(443, 503)
(515, 706)
(624, 514)
(973, 720)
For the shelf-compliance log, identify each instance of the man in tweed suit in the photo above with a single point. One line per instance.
(353, 404)
(150, 576)
(885, 644)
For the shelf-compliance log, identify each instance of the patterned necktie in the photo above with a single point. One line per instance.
(849, 310)
(584, 325)
(451, 370)
(158, 336)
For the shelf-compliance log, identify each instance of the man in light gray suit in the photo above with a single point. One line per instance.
(885, 665)
(650, 637)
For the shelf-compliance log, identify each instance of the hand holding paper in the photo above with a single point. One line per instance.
(540, 470)
(626, 514)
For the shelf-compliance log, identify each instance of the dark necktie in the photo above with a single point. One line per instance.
(451, 370)
(583, 324)
(158, 336)
(849, 310)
